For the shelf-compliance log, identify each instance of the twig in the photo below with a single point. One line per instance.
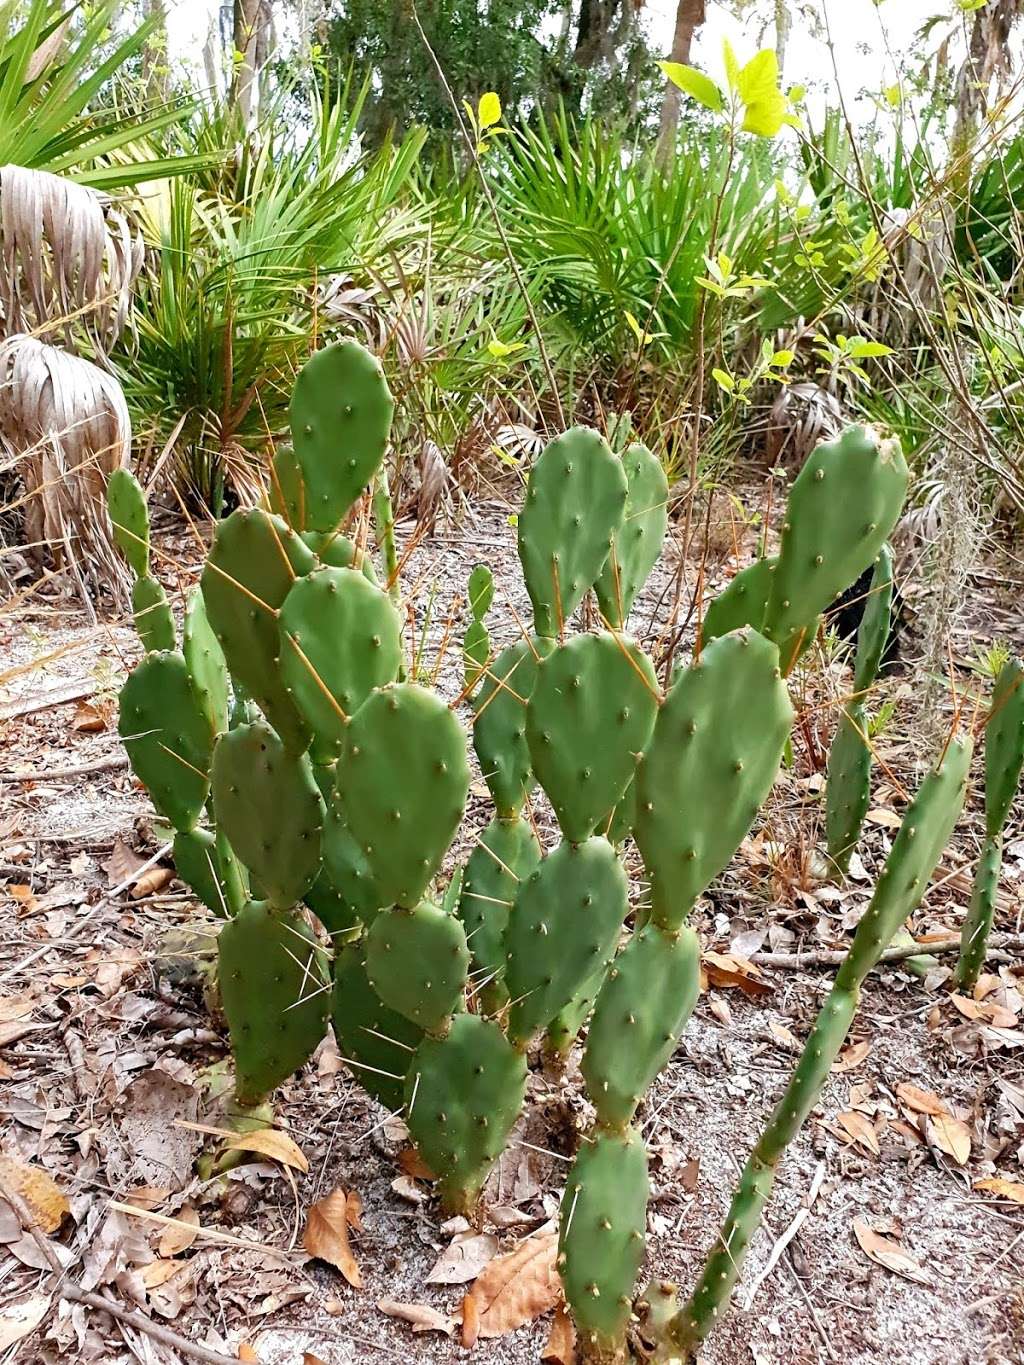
(131, 1316)
(99, 765)
(784, 1241)
(830, 957)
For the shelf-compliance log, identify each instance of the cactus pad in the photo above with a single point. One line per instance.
(376, 1042)
(499, 724)
(875, 623)
(564, 927)
(575, 502)
(195, 861)
(332, 909)
(347, 866)
(463, 1094)
(340, 638)
(709, 765)
(273, 983)
(254, 561)
(637, 542)
(205, 660)
(129, 516)
(842, 506)
(848, 788)
(417, 962)
(268, 804)
(1004, 745)
(151, 613)
(507, 853)
(168, 737)
(403, 784)
(641, 1010)
(601, 1236)
(742, 603)
(340, 415)
(564, 1028)
(339, 552)
(591, 712)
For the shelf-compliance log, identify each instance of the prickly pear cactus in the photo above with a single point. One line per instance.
(206, 665)
(637, 542)
(575, 503)
(506, 855)
(742, 603)
(417, 962)
(197, 863)
(151, 615)
(129, 517)
(374, 1041)
(499, 724)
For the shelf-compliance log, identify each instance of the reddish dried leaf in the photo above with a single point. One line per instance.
(1012, 1190)
(920, 1101)
(729, 972)
(852, 1056)
(151, 882)
(561, 1345)
(245, 1352)
(326, 1236)
(518, 1287)
(40, 1192)
(269, 1142)
(410, 1161)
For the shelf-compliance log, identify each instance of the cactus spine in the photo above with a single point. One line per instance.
(1004, 757)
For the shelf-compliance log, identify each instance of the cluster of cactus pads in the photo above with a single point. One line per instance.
(315, 794)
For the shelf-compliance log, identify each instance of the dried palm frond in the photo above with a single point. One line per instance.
(802, 415)
(66, 423)
(433, 482)
(68, 259)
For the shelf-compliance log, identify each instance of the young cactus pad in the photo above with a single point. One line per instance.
(196, 863)
(417, 962)
(601, 1236)
(340, 639)
(151, 615)
(463, 1093)
(273, 984)
(374, 1041)
(347, 865)
(565, 926)
(340, 415)
(842, 506)
(404, 778)
(129, 517)
(206, 664)
(590, 715)
(267, 802)
(506, 855)
(710, 764)
(254, 561)
(499, 724)
(637, 542)
(916, 850)
(575, 502)
(168, 737)
(741, 603)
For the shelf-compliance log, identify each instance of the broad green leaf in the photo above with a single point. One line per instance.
(695, 84)
(759, 79)
(489, 109)
(765, 117)
(864, 350)
(724, 380)
(500, 349)
(782, 358)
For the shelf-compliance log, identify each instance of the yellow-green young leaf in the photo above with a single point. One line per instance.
(759, 79)
(866, 350)
(782, 358)
(796, 93)
(644, 338)
(765, 117)
(500, 349)
(489, 109)
(724, 380)
(732, 66)
(893, 96)
(783, 193)
(695, 84)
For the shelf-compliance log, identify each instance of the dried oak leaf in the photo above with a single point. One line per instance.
(727, 970)
(420, 1316)
(885, 1252)
(518, 1287)
(40, 1192)
(561, 1344)
(326, 1235)
(860, 1130)
(951, 1136)
(1013, 1190)
(920, 1101)
(464, 1258)
(852, 1056)
(179, 1235)
(269, 1142)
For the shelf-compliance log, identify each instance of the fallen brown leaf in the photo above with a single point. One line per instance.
(159, 1272)
(1013, 1190)
(40, 1192)
(245, 1352)
(24, 895)
(518, 1287)
(22, 1318)
(970, 1009)
(18, 1006)
(951, 1136)
(410, 1161)
(326, 1236)
(420, 1316)
(782, 1034)
(90, 717)
(179, 1236)
(727, 971)
(920, 1101)
(852, 1056)
(886, 819)
(151, 882)
(885, 1252)
(308, 1358)
(270, 1142)
(561, 1344)
(860, 1130)
(464, 1258)
(123, 863)
(470, 1321)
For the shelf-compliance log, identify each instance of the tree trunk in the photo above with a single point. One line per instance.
(690, 14)
(154, 55)
(252, 21)
(988, 57)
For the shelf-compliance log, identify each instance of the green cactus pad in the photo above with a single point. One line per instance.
(129, 516)
(331, 908)
(234, 879)
(1004, 745)
(254, 561)
(268, 804)
(644, 1004)
(205, 660)
(338, 552)
(637, 542)
(274, 986)
(499, 724)
(842, 506)
(417, 962)
(151, 613)
(741, 603)
(376, 1042)
(575, 502)
(403, 786)
(347, 866)
(848, 789)
(463, 1094)
(196, 863)
(564, 927)
(601, 1237)
(619, 825)
(168, 737)
(340, 639)
(564, 1029)
(980, 914)
(340, 415)
(506, 855)
(288, 492)
(710, 764)
(590, 715)
(873, 631)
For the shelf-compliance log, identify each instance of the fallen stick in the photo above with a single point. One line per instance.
(784, 1241)
(132, 1317)
(1002, 948)
(99, 765)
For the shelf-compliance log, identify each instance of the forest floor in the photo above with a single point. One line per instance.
(108, 1053)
